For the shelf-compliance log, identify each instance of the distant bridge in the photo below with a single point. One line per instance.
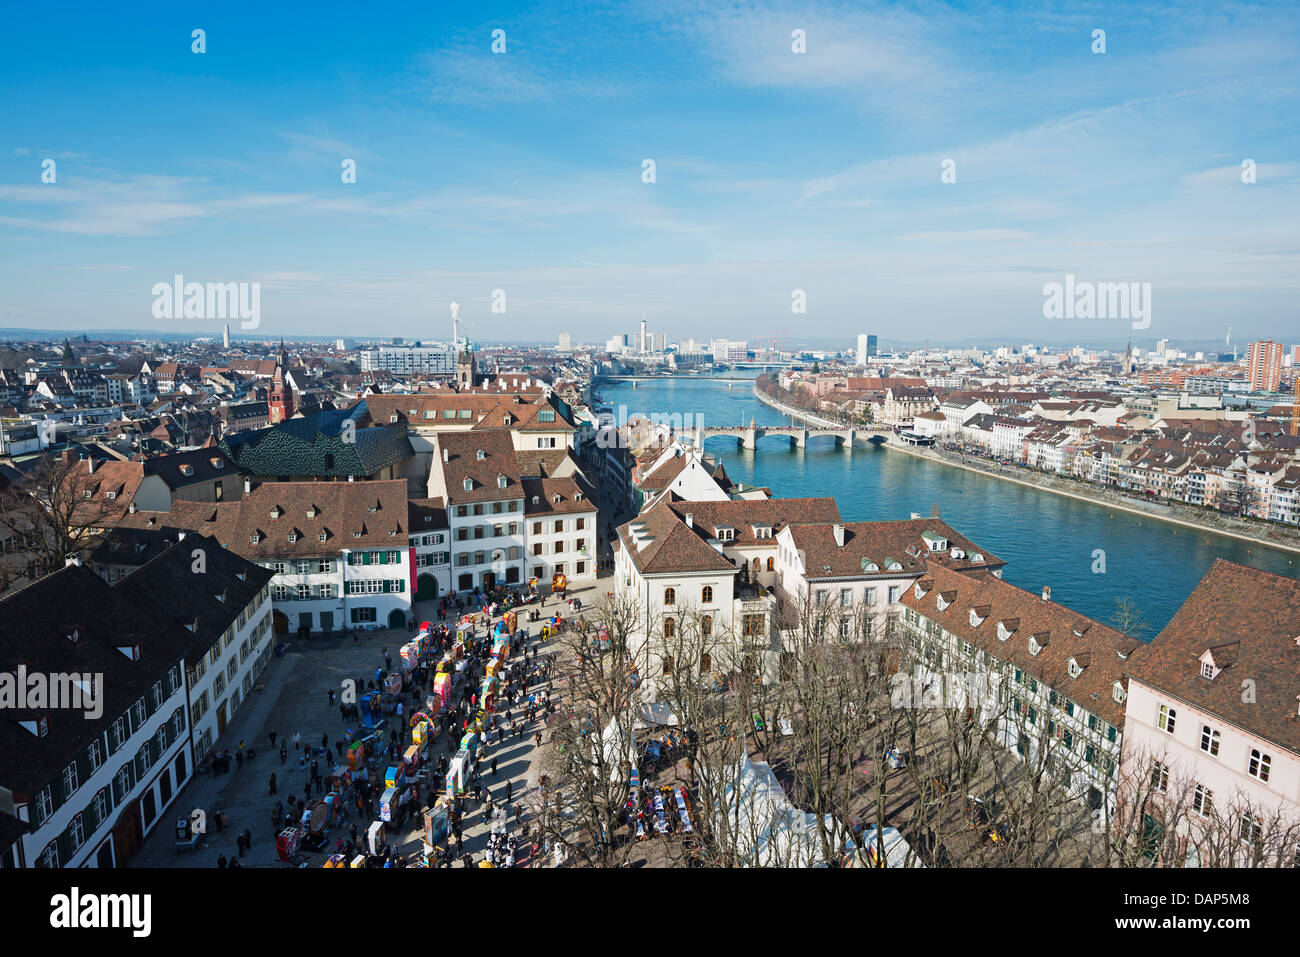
(748, 435)
(636, 380)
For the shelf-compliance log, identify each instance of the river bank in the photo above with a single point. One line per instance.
(1286, 539)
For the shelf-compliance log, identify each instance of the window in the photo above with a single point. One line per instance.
(1207, 669)
(1203, 801)
(1252, 829)
(893, 593)
(670, 630)
(1165, 719)
(1209, 740)
(846, 597)
(668, 664)
(706, 627)
(871, 596)
(70, 779)
(1260, 764)
(706, 595)
(670, 596)
(1159, 777)
(752, 625)
(771, 564)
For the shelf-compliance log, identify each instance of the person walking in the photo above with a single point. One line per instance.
(272, 782)
(494, 767)
(283, 753)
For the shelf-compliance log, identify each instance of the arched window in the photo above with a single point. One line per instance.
(670, 596)
(756, 564)
(706, 626)
(771, 564)
(706, 662)
(670, 629)
(706, 595)
(668, 664)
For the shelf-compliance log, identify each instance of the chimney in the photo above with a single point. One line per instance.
(1047, 593)
(248, 486)
(90, 465)
(690, 520)
(446, 455)
(839, 535)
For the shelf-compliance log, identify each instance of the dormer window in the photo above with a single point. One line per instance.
(322, 536)
(393, 417)
(537, 500)
(977, 557)
(469, 485)
(941, 603)
(293, 537)
(895, 567)
(1075, 668)
(255, 537)
(187, 469)
(870, 567)
(1034, 646)
(276, 512)
(480, 455)
(502, 481)
(725, 533)
(1117, 692)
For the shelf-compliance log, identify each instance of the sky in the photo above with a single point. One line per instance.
(521, 174)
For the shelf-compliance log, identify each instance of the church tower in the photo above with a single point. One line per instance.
(280, 401)
(466, 373)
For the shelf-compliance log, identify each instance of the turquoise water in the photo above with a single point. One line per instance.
(1045, 539)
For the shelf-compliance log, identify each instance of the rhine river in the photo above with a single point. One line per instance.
(1045, 539)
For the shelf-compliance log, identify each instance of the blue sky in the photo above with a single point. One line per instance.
(775, 171)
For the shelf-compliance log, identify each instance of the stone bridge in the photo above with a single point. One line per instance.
(748, 435)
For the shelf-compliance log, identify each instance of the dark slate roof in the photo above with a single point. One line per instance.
(203, 464)
(299, 447)
(34, 625)
(201, 604)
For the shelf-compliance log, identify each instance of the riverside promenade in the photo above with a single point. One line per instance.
(1269, 534)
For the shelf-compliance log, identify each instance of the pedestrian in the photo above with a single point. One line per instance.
(331, 694)
(221, 862)
(297, 740)
(510, 790)
(283, 753)
(272, 782)
(272, 739)
(325, 743)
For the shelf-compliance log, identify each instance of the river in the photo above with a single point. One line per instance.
(1045, 539)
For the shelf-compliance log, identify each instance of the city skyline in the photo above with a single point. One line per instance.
(516, 179)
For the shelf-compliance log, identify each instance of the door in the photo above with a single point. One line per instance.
(221, 718)
(426, 588)
(327, 621)
(396, 619)
(489, 581)
(281, 621)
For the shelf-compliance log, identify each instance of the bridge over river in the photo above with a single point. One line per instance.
(798, 435)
